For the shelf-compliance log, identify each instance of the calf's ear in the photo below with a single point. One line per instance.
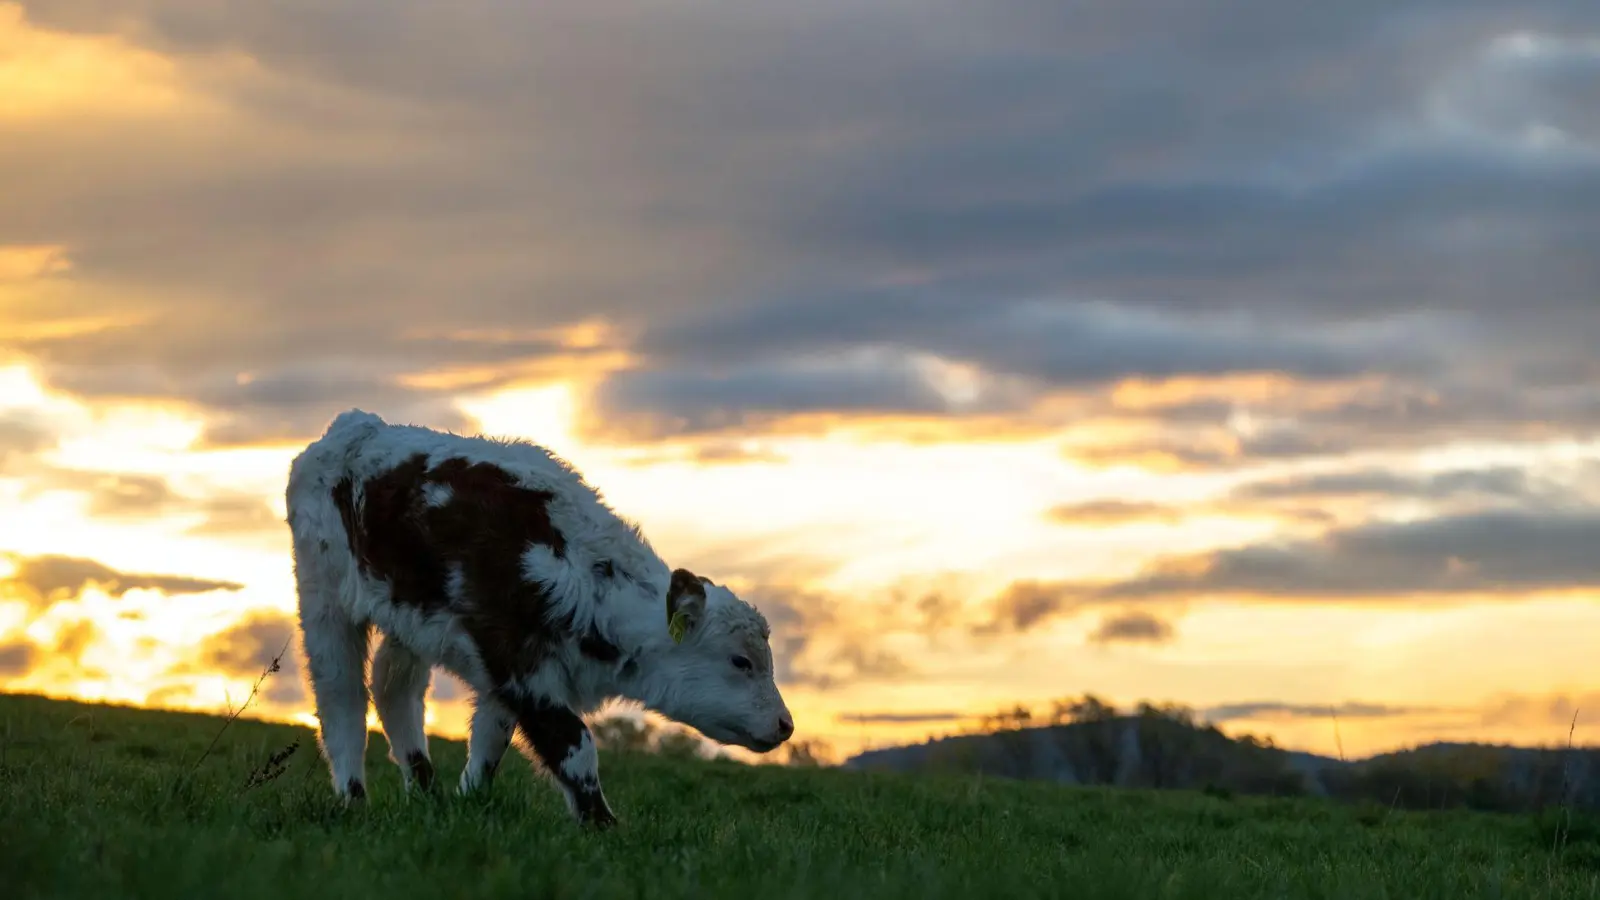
(686, 603)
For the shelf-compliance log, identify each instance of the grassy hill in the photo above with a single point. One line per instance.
(100, 801)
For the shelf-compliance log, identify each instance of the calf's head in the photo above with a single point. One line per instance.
(718, 671)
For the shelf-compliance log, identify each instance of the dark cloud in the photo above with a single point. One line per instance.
(672, 402)
(1025, 604)
(732, 361)
(51, 579)
(1061, 342)
(1131, 628)
(1490, 552)
(756, 194)
(1387, 415)
(18, 657)
(1280, 710)
(1500, 482)
(901, 718)
(1500, 552)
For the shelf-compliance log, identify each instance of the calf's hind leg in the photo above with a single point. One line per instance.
(336, 656)
(399, 687)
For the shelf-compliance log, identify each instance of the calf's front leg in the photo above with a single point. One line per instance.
(492, 726)
(565, 746)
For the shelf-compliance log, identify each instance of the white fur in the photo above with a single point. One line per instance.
(399, 684)
(692, 682)
(491, 729)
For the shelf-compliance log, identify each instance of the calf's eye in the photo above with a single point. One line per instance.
(742, 664)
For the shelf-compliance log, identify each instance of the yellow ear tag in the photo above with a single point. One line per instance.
(678, 626)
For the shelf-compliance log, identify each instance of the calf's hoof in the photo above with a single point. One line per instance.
(596, 815)
(421, 769)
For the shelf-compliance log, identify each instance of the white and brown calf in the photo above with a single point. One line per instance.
(495, 560)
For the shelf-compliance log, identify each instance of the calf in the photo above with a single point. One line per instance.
(497, 561)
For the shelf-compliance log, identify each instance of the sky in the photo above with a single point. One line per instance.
(1238, 355)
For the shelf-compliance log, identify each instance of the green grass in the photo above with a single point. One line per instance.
(96, 801)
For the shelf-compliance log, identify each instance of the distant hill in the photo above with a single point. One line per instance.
(1153, 750)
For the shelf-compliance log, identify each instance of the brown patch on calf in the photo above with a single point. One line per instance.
(394, 543)
(483, 529)
(487, 506)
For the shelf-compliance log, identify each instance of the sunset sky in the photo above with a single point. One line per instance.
(1238, 354)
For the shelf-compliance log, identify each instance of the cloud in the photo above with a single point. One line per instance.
(658, 403)
(1100, 513)
(1489, 552)
(901, 718)
(1372, 415)
(1500, 482)
(118, 495)
(1131, 628)
(1534, 711)
(122, 495)
(279, 405)
(816, 646)
(20, 438)
(73, 639)
(1273, 709)
(753, 198)
(1024, 604)
(716, 453)
(1043, 344)
(1498, 552)
(52, 579)
(18, 657)
(250, 646)
(239, 514)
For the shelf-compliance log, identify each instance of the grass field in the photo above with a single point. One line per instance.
(99, 801)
